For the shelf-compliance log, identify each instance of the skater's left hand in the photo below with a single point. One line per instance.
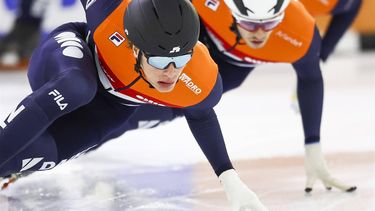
(316, 169)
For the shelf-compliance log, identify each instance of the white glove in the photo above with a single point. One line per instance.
(240, 197)
(316, 168)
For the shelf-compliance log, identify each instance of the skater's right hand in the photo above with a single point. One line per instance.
(240, 197)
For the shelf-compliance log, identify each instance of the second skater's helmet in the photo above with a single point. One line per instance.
(162, 27)
(257, 10)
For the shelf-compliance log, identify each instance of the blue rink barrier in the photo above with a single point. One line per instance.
(12, 4)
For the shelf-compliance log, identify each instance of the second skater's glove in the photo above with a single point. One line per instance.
(316, 169)
(240, 197)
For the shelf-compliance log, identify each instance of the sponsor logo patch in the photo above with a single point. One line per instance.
(190, 84)
(117, 39)
(212, 4)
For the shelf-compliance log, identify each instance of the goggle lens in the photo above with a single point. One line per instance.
(253, 26)
(162, 62)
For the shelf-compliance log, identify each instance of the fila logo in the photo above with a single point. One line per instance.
(117, 39)
(175, 50)
(11, 116)
(89, 3)
(71, 44)
(47, 165)
(212, 4)
(58, 99)
(148, 101)
(190, 84)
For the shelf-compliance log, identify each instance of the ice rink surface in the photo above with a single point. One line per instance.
(163, 168)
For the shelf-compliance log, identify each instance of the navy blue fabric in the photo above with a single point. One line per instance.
(204, 126)
(19, 134)
(233, 76)
(343, 16)
(43, 148)
(49, 71)
(310, 90)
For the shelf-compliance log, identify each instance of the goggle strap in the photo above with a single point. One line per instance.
(137, 68)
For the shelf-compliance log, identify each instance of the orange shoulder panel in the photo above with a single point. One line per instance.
(195, 83)
(287, 43)
(319, 7)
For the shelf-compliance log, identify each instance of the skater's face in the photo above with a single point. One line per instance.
(256, 33)
(161, 74)
(254, 39)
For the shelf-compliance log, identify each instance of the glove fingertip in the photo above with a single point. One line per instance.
(308, 190)
(351, 189)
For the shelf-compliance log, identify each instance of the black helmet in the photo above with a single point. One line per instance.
(162, 27)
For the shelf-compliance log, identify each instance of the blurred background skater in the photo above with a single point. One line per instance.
(17, 45)
(27, 29)
(334, 18)
(343, 13)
